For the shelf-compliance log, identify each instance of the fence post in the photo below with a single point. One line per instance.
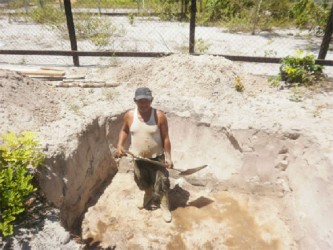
(192, 26)
(327, 36)
(25, 6)
(71, 30)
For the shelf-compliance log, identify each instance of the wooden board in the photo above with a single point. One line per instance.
(53, 68)
(42, 73)
(86, 84)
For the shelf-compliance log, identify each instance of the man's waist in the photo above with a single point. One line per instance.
(148, 153)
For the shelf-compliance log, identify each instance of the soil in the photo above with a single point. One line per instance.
(240, 206)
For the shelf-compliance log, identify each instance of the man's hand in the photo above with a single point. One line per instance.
(168, 162)
(120, 152)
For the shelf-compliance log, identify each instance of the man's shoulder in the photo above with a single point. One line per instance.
(159, 112)
(160, 115)
(129, 114)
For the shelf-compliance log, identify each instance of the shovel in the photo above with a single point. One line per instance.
(181, 172)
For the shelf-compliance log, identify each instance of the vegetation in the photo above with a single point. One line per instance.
(300, 68)
(239, 86)
(265, 14)
(92, 27)
(47, 15)
(19, 156)
(201, 46)
(98, 30)
(243, 15)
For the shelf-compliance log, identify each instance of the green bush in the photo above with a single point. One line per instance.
(300, 68)
(99, 30)
(168, 11)
(19, 155)
(239, 86)
(92, 27)
(310, 14)
(48, 15)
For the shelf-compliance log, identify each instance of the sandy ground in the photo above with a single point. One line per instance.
(268, 182)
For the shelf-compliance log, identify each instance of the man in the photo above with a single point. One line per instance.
(149, 139)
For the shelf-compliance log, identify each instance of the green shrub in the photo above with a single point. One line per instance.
(99, 30)
(168, 11)
(310, 14)
(131, 18)
(95, 28)
(239, 86)
(300, 68)
(201, 46)
(19, 155)
(48, 15)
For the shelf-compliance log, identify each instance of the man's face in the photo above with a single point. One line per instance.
(144, 105)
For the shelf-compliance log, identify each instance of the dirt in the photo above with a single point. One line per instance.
(240, 204)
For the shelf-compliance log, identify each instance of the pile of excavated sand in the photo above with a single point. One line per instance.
(27, 103)
(269, 157)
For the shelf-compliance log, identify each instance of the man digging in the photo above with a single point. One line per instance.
(149, 139)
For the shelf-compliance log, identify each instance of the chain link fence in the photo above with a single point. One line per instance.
(136, 26)
(99, 26)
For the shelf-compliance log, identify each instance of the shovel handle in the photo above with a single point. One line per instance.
(181, 172)
(146, 159)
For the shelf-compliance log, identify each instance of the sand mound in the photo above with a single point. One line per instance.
(27, 103)
(205, 76)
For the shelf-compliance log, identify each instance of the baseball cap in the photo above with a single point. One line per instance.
(143, 93)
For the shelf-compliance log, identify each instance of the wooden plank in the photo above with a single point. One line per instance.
(47, 78)
(83, 81)
(42, 73)
(75, 77)
(52, 68)
(86, 84)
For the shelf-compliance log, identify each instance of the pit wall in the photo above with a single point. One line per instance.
(289, 166)
(73, 179)
(285, 165)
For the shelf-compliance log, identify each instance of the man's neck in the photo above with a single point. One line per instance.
(145, 115)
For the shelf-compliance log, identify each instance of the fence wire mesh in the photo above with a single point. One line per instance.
(136, 26)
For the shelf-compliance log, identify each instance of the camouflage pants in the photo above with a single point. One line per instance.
(148, 175)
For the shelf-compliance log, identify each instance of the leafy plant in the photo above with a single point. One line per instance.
(310, 13)
(109, 94)
(76, 108)
(270, 53)
(97, 29)
(201, 45)
(23, 61)
(168, 11)
(47, 15)
(131, 18)
(19, 155)
(114, 61)
(274, 81)
(300, 68)
(296, 94)
(239, 86)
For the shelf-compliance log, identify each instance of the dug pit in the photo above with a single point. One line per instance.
(267, 185)
(251, 194)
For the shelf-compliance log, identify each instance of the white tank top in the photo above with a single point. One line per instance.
(146, 139)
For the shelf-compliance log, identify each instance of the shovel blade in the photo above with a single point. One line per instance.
(192, 170)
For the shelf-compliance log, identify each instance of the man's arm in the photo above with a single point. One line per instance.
(164, 129)
(123, 135)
